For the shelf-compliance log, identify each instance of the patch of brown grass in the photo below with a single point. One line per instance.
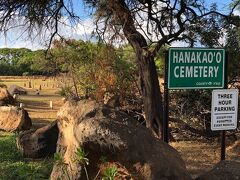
(38, 106)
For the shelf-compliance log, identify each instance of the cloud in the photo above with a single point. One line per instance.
(19, 37)
(77, 30)
(85, 27)
(22, 44)
(236, 12)
(15, 38)
(179, 44)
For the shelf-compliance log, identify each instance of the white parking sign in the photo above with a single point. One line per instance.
(224, 109)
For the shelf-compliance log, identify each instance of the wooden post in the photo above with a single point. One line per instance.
(15, 96)
(51, 104)
(21, 105)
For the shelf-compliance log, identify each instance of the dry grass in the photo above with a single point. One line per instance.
(33, 83)
(38, 106)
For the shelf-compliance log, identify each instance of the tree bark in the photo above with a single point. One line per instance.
(149, 83)
(150, 88)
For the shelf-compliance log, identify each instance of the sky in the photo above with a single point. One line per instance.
(17, 38)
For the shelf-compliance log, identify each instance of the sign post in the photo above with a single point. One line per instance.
(197, 68)
(165, 132)
(224, 113)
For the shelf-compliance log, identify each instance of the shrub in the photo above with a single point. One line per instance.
(3, 85)
(192, 106)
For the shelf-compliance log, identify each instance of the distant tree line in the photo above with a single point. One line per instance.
(23, 61)
(62, 57)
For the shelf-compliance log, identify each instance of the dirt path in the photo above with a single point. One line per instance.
(38, 107)
(201, 156)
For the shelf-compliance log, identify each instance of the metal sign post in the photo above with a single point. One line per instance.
(223, 134)
(223, 145)
(165, 131)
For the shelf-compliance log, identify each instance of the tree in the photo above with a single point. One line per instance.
(76, 58)
(147, 25)
(96, 69)
(41, 64)
(22, 61)
(10, 59)
(233, 46)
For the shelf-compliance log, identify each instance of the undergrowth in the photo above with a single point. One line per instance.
(14, 166)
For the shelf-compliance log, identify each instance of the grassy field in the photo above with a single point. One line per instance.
(199, 156)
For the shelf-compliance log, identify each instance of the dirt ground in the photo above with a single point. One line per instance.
(199, 156)
(38, 106)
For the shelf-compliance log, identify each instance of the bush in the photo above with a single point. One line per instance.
(95, 69)
(193, 107)
(65, 91)
(3, 85)
(26, 74)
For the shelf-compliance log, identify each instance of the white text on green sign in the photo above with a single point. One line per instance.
(191, 68)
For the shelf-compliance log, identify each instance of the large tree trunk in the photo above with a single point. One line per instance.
(151, 92)
(149, 83)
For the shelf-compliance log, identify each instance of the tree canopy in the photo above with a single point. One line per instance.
(22, 61)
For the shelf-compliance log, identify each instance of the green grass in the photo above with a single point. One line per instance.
(14, 166)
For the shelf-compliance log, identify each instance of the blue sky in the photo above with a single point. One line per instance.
(16, 38)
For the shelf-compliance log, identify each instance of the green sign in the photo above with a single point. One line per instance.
(196, 68)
